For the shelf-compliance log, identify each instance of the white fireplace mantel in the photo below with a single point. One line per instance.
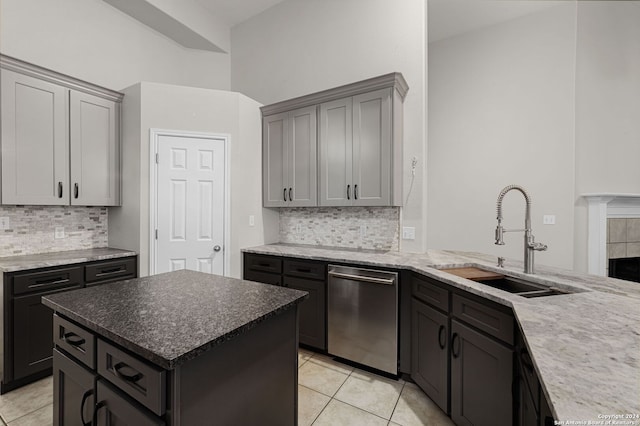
(602, 206)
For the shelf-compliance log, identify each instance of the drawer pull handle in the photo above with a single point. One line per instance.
(440, 336)
(355, 191)
(85, 396)
(110, 271)
(453, 346)
(348, 192)
(49, 281)
(73, 339)
(75, 190)
(117, 369)
(59, 189)
(284, 194)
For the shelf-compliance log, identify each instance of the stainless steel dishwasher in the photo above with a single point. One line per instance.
(363, 317)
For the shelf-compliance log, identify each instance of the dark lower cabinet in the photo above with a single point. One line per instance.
(311, 312)
(430, 352)
(74, 392)
(115, 409)
(481, 378)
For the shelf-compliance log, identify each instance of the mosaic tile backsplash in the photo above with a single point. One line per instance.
(32, 229)
(375, 228)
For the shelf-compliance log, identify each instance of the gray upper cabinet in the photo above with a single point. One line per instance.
(359, 146)
(95, 151)
(290, 159)
(60, 138)
(35, 135)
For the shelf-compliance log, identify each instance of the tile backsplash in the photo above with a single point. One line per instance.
(32, 229)
(375, 228)
(623, 238)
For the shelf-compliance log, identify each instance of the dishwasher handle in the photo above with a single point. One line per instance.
(362, 278)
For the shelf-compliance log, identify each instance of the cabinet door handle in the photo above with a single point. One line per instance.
(85, 396)
(59, 189)
(75, 190)
(284, 194)
(348, 192)
(73, 339)
(440, 336)
(117, 369)
(453, 346)
(290, 198)
(355, 191)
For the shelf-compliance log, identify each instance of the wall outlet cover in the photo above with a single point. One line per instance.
(252, 220)
(408, 233)
(549, 219)
(59, 232)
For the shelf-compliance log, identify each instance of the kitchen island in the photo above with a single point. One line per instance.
(178, 348)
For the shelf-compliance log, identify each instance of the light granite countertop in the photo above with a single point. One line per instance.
(58, 258)
(585, 346)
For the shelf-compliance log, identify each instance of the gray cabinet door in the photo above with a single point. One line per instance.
(302, 158)
(372, 154)
(274, 160)
(35, 149)
(336, 160)
(95, 150)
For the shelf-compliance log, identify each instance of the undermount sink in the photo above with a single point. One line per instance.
(517, 286)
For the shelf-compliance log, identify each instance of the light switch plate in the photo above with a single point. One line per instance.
(549, 219)
(4, 223)
(59, 233)
(408, 233)
(252, 220)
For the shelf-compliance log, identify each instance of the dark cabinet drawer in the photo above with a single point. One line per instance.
(496, 323)
(305, 269)
(424, 289)
(75, 340)
(111, 270)
(114, 408)
(142, 381)
(263, 277)
(262, 263)
(31, 282)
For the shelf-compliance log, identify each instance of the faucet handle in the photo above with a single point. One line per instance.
(538, 246)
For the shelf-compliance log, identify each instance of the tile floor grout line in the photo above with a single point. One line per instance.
(397, 401)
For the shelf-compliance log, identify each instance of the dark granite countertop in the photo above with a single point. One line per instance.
(171, 318)
(58, 258)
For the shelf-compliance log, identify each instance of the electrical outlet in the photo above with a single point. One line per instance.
(4, 223)
(549, 219)
(363, 231)
(408, 233)
(252, 220)
(59, 232)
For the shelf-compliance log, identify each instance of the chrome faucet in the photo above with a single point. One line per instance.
(529, 241)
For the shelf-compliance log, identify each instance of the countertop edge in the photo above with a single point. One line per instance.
(74, 258)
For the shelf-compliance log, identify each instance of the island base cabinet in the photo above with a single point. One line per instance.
(73, 392)
(115, 409)
(429, 352)
(481, 379)
(248, 380)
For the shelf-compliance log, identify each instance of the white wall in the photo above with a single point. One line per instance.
(91, 40)
(607, 106)
(170, 107)
(501, 111)
(300, 47)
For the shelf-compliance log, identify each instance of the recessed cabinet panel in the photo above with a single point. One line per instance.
(336, 153)
(94, 150)
(274, 139)
(35, 150)
(302, 157)
(372, 154)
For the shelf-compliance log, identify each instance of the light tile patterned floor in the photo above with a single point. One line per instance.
(329, 393)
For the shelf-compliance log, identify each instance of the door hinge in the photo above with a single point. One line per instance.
(157, 158)
(156, 234)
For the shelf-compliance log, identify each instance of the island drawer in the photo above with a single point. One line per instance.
(263, 263)
(305, 269)
(424, 289)
(75, 340)
(492, 321)
(109, 271)
(139, 379)
(47, 280)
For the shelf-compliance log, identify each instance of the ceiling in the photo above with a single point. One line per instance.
(233, 12)
(448, 18)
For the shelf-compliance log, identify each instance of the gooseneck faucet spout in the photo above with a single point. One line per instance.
(529, 240)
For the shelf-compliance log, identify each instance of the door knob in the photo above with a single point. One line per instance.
(217, 248)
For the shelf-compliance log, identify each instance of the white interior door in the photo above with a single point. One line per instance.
(190, 204)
